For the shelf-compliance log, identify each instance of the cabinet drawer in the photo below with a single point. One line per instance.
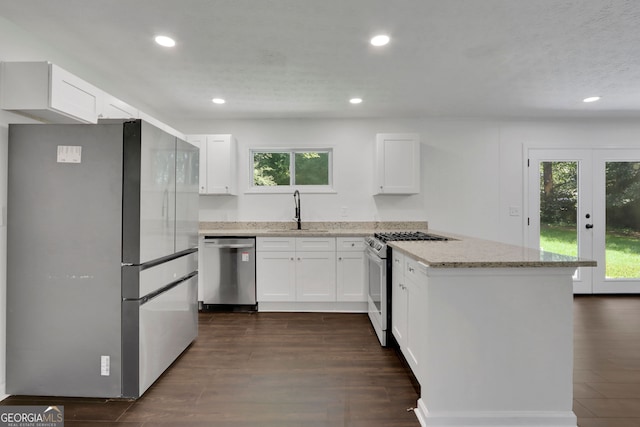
(350, 243)
(414, 270)
(315, 244)
(276, 243)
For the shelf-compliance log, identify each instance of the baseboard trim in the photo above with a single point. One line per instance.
(494, 418)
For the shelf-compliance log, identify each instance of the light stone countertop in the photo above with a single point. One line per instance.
(309, 229)
(468, 252)
(459, 252)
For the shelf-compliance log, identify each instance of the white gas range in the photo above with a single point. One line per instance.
(379, 265)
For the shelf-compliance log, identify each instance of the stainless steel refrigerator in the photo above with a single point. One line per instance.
(102, 235)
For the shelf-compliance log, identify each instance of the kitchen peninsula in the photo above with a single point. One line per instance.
(486, 327)
(491, 342)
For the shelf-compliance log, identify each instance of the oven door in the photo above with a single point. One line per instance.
(378, 294)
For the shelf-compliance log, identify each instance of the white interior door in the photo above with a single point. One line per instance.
(586, 203)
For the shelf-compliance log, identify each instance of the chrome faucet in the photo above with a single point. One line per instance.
(296, 199)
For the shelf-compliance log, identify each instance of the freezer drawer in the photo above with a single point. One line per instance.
(229, 268)
(166, 325)
(138, 281)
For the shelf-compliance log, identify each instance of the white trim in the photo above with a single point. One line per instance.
(494, 418)
(329, 306)
(286, 189)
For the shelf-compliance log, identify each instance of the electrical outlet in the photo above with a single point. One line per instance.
(344, 211)
(514, 210)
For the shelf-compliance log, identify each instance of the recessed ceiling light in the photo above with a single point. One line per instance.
(218, 101)
(591, 99)
(380, 40)
(356, 100)
(165, 41)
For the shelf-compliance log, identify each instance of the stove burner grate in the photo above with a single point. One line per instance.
(407, 235)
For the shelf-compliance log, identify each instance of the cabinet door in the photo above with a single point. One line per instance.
(113, 108)
(221, 164)
(200, 141)
(397, 164)
(398, 300)
(275, 276)
(47, 92)
(316, 276)
(416, 280)
(351, 276)
(187, 199)
(74, 96)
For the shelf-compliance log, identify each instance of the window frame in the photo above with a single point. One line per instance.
(290, 188)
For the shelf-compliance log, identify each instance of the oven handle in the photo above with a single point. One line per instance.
(374, 257)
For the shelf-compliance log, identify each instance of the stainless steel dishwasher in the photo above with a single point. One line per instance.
(229, 273)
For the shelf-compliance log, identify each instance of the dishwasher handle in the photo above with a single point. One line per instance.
(228, 245)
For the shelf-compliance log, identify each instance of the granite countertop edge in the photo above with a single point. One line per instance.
(468, 252)
(458, 252)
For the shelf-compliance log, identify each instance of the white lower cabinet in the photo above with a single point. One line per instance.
(276, 276)
(275, 269)
(315, 276)
(398, 300)
(310, 274)
(409, 279)
(351, 270)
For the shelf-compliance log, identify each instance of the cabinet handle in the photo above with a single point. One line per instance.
(411, 270)
(340, 259)
(291, 258)
(353, 244)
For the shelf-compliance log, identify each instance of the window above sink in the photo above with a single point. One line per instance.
(282, 170)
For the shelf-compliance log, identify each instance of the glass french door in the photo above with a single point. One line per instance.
(586, 203)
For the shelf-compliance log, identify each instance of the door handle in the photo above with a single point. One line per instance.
(588, 226)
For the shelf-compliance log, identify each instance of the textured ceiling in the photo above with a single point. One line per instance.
(306, 58)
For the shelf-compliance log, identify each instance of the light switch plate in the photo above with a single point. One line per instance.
(69, 154)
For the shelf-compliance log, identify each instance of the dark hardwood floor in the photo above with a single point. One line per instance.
(607, 361)
(321, 369)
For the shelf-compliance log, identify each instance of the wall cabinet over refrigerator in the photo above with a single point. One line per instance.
(218, 157)
(47, 92)
(114, 108)
(397, 163)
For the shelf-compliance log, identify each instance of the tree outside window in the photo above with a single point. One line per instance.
(274, 168)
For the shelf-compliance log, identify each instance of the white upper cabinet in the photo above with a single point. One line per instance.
(200, 141)
(157, 123)
(397, 163)
(47, 92)
(218, 157)
(113, 108)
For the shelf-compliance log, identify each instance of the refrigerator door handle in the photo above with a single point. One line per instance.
(145, 299)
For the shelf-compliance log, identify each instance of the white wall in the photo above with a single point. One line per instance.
(352, 143)
(472, 170)
(462, 175)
